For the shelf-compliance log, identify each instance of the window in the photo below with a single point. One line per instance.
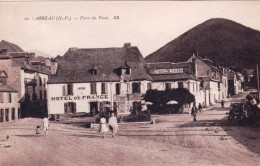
(93, 87)
(67, 89)
(10, 97)
(104, 88)
(45, 94)
(1, 97)
(6, 115)
(168, 86)
(1, 115)
(149, 85)
(40, 81)
(13, 113)
(125, 71)
(70, 89)
(136, 87)
(2, 81)
(118, 88)
(180, 84)
(70, 107)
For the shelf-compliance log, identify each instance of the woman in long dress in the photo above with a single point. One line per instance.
(103, 126)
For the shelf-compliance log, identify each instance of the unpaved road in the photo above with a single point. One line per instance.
(173, 140)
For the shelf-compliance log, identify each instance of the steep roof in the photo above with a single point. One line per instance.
(76, 65)
(10, 46)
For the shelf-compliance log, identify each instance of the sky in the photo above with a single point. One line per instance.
(148, 25)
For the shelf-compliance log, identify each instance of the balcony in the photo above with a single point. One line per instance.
(30, 82)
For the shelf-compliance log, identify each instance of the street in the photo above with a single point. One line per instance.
(173, 140)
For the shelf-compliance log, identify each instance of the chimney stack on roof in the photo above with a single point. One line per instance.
(73, 48)
(127, 45)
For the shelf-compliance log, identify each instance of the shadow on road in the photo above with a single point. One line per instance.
(31, 135)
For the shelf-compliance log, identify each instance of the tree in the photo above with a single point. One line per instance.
(161, 98)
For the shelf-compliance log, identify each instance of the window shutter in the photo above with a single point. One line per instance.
(63, 90)
(106, 88)
(139, 87)
(71, 89)
(1, 97)
(66, 107)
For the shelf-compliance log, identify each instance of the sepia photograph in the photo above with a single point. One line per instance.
(130, 83)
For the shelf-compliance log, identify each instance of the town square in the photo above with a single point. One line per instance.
(133, 83)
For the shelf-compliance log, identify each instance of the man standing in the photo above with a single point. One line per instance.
(200, 107)
(45, 123)
(113, 126)
(194, 110)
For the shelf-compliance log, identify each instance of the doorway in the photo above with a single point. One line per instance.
(93, 108)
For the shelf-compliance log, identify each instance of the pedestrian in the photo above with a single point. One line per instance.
(200, 107)
(113, 126)
(194, 110)
(45, 123)
(103, 126)
(38, 131)
(222, 103)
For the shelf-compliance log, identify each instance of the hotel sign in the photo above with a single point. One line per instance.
(87, 97)
(167, 71)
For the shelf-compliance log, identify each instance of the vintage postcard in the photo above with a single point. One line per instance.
(129, 83)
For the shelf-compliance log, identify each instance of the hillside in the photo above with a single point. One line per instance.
(223, 41)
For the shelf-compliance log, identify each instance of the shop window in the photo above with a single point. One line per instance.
(93, 87)
(104, 88)
(180, 84)
(136, 87)
(118, 88)
(168, 86)
(70, 107)
(13, 113)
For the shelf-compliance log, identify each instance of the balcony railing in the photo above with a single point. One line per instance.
(30, 82)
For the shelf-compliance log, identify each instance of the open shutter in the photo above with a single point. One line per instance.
(71, 89)
(106, 88)
(66, 108)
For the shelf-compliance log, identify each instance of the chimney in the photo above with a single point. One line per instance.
(73, 49)
(4, 51)
(47, 62)
(127, 45)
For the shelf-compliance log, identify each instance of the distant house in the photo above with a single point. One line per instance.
(8, 100)
(93, 80)
(213, 81)
(167, 75)
(235, 80)
(29, 77)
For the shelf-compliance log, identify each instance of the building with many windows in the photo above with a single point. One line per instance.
(28, 76)
(93, 80)
(8, 100)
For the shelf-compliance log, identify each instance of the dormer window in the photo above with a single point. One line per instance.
(125, 69)
(94, 71)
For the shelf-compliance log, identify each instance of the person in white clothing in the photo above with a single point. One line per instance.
(45, 123)
(103, 126)
(113, 126)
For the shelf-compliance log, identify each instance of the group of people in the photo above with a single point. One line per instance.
(194, 111)
(112, 125)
